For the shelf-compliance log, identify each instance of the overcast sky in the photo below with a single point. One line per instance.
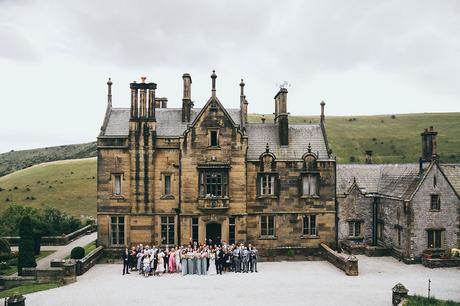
(361, 57)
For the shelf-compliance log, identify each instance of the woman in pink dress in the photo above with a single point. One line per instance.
(172, 261)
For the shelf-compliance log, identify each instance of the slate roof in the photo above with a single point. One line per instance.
(300, 136)
(169, 121)
(452, 171)
(393, 180)
(169, 124)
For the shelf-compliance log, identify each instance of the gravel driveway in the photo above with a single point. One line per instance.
(295, 283)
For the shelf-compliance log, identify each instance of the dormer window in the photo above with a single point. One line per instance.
(310, 185)
(267, 178)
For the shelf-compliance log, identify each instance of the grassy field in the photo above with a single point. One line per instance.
(68, 185)
(416, 300)
(71, 185)
(392, 138)
(16, 160)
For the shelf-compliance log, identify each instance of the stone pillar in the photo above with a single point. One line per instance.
(16, 300)
(399, 294)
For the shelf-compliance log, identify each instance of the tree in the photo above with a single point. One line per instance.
(26, 245)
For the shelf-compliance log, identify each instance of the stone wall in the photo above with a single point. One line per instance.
(355, 207)
(424, 218)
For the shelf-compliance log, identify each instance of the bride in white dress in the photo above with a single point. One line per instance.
(212, 263)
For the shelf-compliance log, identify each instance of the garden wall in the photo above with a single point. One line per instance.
(347, 264)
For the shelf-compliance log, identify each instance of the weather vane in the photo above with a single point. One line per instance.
(285, 84)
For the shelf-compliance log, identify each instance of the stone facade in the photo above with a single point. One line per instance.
(167, 176)
(409, 209)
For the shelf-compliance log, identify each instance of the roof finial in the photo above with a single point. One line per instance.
(309, 148)
(109, 92)
(213, 77)
(242, 88)
(322, 111)
(267, 148)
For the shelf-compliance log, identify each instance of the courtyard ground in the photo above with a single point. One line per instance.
(277, 283)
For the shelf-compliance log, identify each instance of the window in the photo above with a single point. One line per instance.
(213, 183)
(354, 229)
(379, 230)
(167, 184)
(309, 225)
(309, 185)
(213, 138)
(231, 230)
(195, 229)
(435, 239)
(398, 236)
(435, 202)
(117, 184)
(267, 225)
(435, 182)
(267, 184)
(117, 230)
(167, 230)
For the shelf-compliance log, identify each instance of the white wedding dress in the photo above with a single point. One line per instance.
(212, 264)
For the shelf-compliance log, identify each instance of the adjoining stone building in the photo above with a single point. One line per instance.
(405, 209)
(168, 175)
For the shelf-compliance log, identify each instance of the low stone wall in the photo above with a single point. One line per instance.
(352, 248)
(65, 275)
(377, 251)
(441, 263)
(289, 253)
(89, 260)
(347, 264)
(56, 240)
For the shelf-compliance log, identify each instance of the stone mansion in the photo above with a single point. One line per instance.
(170, 175)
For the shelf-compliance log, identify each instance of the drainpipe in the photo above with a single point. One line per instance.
(374, 221)
(178, 210)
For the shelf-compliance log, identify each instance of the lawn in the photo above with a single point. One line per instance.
(25, 289)
(13, 268)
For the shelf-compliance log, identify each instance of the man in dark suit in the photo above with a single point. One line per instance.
(219, 260)
(125, 256)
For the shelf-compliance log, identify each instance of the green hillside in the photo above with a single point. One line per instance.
(16, 160)
(71, 185)
(68, 185)
(392, 138)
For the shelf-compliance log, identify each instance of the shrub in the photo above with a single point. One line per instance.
(4, 246)
(352, 159)
(77, 253)
(393, 117)
(290, 253)
(26, 257)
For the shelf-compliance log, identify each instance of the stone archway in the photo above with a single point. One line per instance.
(213, 233)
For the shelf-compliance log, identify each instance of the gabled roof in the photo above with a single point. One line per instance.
(300, 136)
(452, 172)
(391, 180)
(216, 100)
(169, 121)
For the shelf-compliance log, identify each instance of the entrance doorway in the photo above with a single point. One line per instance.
(213, 233)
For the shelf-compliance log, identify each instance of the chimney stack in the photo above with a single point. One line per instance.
(161, 102)
(429, 145)
(140, 107)
(368, 156)
(243, 105)
(187, 103)
(151, 111)
(281, 116)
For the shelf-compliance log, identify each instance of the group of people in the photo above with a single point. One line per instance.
(200, 259)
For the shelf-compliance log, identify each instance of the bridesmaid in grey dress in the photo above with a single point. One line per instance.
(198, 262)
(190, 264)
(184, 264)
(204, 261)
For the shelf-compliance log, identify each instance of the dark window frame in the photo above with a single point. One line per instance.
(355, 229)
(168, 225)
(195, 230)
(267, 226)
(213, 182)
(167, 184)
(117, 230)
(435, 202)
(231, 230)
(435, 238)
(310, 226)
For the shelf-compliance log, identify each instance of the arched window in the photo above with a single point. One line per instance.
(267, 177)
(309, 177)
